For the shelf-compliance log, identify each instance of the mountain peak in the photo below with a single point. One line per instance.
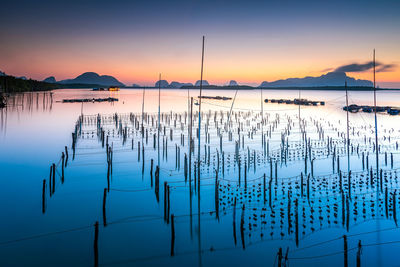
(50, 79)
(335, 78)
(94, 78)
(232, 83)
(205, 83)
(162, 83)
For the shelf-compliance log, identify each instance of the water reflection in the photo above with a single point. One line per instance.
(274, 185)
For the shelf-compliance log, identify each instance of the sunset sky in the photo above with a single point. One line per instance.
(248, 41)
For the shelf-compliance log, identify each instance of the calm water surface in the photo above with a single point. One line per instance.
(35, 130)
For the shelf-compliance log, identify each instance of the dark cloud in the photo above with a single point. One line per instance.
(386, 68)
(327, 70)
(356, 67)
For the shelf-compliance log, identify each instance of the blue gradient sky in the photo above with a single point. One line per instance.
(249, 41)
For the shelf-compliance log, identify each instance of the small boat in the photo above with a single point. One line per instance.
(393, 111)
(113, 88)
(98, 89)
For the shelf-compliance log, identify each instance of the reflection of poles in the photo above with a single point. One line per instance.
(198, 154)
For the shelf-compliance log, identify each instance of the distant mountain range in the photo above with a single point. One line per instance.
(89, 78)
(329, 79)
(174, 84)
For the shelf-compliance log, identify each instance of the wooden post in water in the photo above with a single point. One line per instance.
(172, 235)
(234, 221)
(264, 197)
(199, 128)
(394, 207)
(280, 256)
(216, 195)
(142, 130)
(359, 254)
(62, 166)
(386, 203)
(151, 172)
(44, 197)
(157, 183)
(50, 178)
(376, 128)
(104, 207)
(159, 118)
(66, 156)
(345, 251)
(242, 228)
(296, 218)
(95, 245)
(165, 200)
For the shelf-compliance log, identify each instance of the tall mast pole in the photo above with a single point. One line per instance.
(301, 132)
(348, 138)
(262, 118)
(376, 127)
(159, 117)
(198, 156)
(144, 90)
(199, 130)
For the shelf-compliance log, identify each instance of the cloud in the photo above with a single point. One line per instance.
(386, 68)
(327, 70)
(356, 67)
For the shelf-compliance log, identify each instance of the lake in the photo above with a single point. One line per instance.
(284, 178)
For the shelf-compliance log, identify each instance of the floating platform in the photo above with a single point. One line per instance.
(108, 99)
(369, 109)
(223, 98)
(296, 101)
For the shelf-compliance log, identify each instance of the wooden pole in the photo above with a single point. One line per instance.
(234, 221)
(159, 118)
(345, 251)
(359, 254)
(104, 207)
(242, 228)
(95, 245)
(44, 197)
(199, 129)
(376, 127)
(172, 235)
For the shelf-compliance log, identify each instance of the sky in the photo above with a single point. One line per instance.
(247, 41)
